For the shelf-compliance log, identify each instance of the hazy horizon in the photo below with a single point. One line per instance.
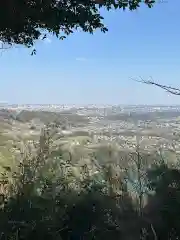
(90, 104)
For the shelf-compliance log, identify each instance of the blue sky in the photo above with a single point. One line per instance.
(97, 69)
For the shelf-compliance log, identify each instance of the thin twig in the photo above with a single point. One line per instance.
(172, 90)
(154, 232)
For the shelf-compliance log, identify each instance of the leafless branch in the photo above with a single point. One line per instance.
(154, 232)
(172, 90)
(4, 47)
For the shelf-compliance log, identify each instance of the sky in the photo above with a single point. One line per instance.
(99, 68)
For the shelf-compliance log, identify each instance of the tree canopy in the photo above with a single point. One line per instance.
(25, 21)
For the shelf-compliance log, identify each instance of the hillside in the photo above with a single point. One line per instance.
(49, 117)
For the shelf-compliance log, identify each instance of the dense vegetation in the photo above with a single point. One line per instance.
(43, 198)
(143, 116)
(47, 117)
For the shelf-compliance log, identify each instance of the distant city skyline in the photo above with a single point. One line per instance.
(89, 105)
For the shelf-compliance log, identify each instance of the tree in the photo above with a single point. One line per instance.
(23, 22)
(163, 206)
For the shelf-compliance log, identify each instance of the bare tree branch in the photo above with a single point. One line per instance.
(4, 47)
(172, 90)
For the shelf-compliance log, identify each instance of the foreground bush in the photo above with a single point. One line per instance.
(41, 199)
